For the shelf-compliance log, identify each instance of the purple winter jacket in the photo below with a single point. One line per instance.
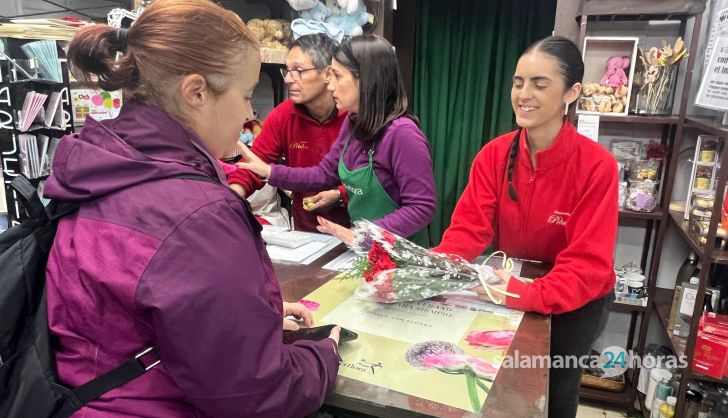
(172, 263)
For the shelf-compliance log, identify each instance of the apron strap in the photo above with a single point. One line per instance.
(346, 146)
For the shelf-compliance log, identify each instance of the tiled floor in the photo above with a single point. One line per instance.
(592, 411)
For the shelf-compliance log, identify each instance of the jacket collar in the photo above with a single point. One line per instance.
(152, 131)
(555, 155)
(301, 111)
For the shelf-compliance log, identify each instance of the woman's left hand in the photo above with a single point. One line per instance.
(252, 162)
(300, 312)
(346, 235)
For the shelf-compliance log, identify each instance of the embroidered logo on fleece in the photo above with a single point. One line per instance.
(299, 145)
(559, 218)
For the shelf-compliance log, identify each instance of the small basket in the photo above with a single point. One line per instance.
(614, 384)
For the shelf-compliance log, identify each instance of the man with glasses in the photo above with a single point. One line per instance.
(301, 131)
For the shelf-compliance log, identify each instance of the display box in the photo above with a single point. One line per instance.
(608, 75)
(711, 355)
(704, 175)
(715, 324)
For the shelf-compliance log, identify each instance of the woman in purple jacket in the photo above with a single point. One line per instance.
(381, 156)
(151, 259)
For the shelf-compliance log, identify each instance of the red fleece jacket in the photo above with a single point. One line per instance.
(566, 215)
(290, 132)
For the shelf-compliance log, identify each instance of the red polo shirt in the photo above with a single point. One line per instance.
(290, 132)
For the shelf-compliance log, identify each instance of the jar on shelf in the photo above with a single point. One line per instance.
(702, 206)
(702, 178)
(708, 150)
(699, 230)
(642, 195)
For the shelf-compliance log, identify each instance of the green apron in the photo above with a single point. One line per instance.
(367, 198)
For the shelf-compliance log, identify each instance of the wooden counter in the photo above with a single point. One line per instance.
(515, 392)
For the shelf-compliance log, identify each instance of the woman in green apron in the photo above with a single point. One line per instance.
(381, 156)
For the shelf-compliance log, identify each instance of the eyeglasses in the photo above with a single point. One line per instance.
(295, 74)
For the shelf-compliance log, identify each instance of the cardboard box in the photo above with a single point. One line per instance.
(596, 52)
(273, 56)
(711, 355)
(714, 324)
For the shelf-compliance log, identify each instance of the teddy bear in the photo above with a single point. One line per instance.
(270, 33)
(589, 89)
(615, 76)
(318, 12)
(617, 104)
(605, 106)
(284, 35)
(259, 28)
(349, 6)
(350, 23)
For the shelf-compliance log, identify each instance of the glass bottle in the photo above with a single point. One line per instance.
(687, 270)
(687, 302)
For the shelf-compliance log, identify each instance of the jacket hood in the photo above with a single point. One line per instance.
(143, 143)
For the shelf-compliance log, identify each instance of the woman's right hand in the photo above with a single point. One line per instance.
(334, 335)
(253, 163)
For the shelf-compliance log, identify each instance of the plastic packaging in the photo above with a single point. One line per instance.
(664, 389)
(642, 195)
(667, 410)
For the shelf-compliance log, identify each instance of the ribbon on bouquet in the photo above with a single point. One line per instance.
(485, 272)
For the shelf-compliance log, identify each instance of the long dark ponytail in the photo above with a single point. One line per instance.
(571, 67)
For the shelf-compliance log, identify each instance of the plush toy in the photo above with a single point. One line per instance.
(615, 76)
(350, 23)
(318, 12)
(259, 29)
(270, 32)
(621, 92)
(349, 6)
(301, 27)
(617, 105)
(605, 106)
(299, 5)
(590, 89)
(250, 131)
(284, 35)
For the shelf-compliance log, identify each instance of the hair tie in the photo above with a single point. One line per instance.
(120, 39)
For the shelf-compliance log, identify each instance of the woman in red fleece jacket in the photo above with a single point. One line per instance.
(545, 192)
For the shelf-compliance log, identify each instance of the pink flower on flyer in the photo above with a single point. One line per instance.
(309, 304)
(446, 361)
(482, 368)
(490, 339)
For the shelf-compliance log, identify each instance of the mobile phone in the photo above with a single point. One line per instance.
(317, 334)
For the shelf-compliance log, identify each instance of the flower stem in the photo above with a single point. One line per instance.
(481, 384)
(472, 390)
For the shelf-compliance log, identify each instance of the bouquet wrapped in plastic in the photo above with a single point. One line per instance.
(393, 269)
